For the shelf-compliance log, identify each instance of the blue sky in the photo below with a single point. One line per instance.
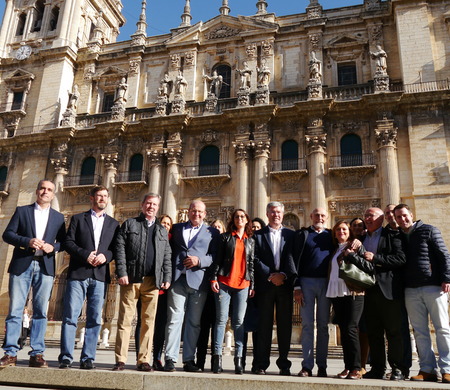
(162, 15)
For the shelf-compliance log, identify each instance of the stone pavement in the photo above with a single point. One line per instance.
(104, 378)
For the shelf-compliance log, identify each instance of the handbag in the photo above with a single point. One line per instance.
(354, 277)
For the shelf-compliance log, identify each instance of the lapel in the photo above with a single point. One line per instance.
(266, 236)
(381, 242)
(177, 235)
(200, 231)
(30, 216)
(88, 221)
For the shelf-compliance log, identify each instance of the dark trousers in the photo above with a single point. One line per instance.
(159, 333)
(347, 313)
(281, 299)
(384, 317)
(206, 326)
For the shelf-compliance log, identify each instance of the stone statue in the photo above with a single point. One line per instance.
(165, 86)
(216, 82)
(315, 68)
(245, 75)
(73, 98)
(263, 74)
(180, 84)
(121, 91)
(380, 59)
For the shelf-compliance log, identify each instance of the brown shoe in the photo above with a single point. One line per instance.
(37, 361)
(304, 372)
(425, 377)
(145, 367)
(445, 378)
(119, 366)
(8, 360)
(343, 374)
(354, 374)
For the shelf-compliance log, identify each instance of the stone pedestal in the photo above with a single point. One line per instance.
(381, 82)
(243, 97)
(118, 112)
(69, 118)
(211, 102)
(161, 105)
(314, 90)
(262, 95)
(178, 105)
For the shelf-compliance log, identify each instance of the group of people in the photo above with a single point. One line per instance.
(169, 272)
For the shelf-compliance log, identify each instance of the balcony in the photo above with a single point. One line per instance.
(80, 186)
(131, 183)
(352, 168)
(207, 180)
(289, 172)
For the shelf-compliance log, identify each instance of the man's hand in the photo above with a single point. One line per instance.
(123, 281)
(277, 278)
(369, 256)
(36, 243)
(215, 286)
(445, 287)
(165, 286)
(98, 260)
(48, 248)
(251, 293)
(298, 297)
(91, 258)
(191, 261)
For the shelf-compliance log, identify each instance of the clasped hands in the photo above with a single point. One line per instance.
(36, 243)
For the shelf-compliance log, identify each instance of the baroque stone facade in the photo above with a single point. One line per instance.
(349, 112)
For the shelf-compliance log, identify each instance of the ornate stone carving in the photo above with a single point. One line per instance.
(11, 121)
(110, 160)
(266, 47)
(332, 206)
(354, 208)
(189, 59)
(175, 61)
(315, 42)
(134, 67)
(316, 143)
(352, 177)
(381, 83)
(182, 215)
(386, 133)
(262, 148)
(372, 5)
(60, 165)
(138, 40)
(289, 180)
(89, 71)
(315, 122)
(155, 156)
(208, 137)
(314, 12)
(241, 150)
(376, 34)
(211, 102)
(222, 31)
(178, 105)
(174, 155)
(314, 91)
(251, 51)
(132, 190)
(243, 97)
(207, 185)
(376, 203)
(262, 95)
(161, 105)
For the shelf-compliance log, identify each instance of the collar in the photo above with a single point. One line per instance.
(272, 230)
(94, 214)
(39, 208)
(317, 231)
(189, 225)
(234, 233)
(376, 232)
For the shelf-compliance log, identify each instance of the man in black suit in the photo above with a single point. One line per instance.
(384, 257)
(89, 242)
(275, 275)
(36, 231)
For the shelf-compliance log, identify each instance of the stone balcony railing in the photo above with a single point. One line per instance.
(207, 180)
(289, 172)
(352, 160)
(82, 181)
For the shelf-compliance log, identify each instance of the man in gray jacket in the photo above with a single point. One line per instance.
(143, 266)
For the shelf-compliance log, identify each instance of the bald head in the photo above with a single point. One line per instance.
(319, 218)
(373, 218)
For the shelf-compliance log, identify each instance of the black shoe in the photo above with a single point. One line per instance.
(190, 366)
(65, 363)
(397, 375)
(169, 366)
(322, 372)
(217, 364)
(285, 372)
(87, 364)
(157, 365)
(238, 367)
(372, 374)
(259, 371)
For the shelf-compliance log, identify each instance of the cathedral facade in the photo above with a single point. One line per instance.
(345, 109)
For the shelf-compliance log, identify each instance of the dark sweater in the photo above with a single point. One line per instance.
(316, 254)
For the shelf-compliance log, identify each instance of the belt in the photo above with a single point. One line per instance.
(38, 258)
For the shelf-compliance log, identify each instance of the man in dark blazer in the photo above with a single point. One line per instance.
(89, 242)
(36, 231)
(193, 250)
(384, 257)
(274, 277)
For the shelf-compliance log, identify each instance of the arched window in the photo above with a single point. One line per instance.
(136, 164)
(21, 24)
(3, 175)
(289, 155)
(209, 161)
(351, 150)
(38, 15)
(87, 171)
(225, 72)
(54, 16)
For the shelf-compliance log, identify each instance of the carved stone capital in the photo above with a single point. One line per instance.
(174, 155)
(241, 150)
(189, 59)
(386, 133)
(178, 105)
(134, 67)
(262, 148)
(316, 143)
(175, 61)
(60, 165)
(155, 156)
(110, 160)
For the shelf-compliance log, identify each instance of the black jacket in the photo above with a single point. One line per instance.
(225, 255)
(387, 265)
(428, 260)
(131, 251)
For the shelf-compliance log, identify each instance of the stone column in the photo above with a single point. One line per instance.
(172, 181)
(316, 144)
(386, 136)
(60, 166)
(155, 164)
(241, 150)
(7, 26)
(110, 161)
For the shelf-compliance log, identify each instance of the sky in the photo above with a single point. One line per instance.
(162, 15)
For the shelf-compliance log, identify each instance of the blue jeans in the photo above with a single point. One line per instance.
(19, 286)
(314, 294)
(76, 292)
(183, 302)
(422, 302)
(223, 298)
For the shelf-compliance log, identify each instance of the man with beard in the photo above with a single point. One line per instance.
(89, 242)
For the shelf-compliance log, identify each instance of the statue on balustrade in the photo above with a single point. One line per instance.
(165, 87)
(245, 76)
(315, 69)
(263, 74)
(215, 83)
(380, 57)
(180, 84)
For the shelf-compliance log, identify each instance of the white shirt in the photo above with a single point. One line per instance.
(275, 240)
(40, 220)
(189, 233)
(97, 224)
(336, 286)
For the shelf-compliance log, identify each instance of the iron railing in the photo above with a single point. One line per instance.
(352, 160)
(206, 170)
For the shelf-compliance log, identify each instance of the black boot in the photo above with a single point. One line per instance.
(238, 368)
(217, 364)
